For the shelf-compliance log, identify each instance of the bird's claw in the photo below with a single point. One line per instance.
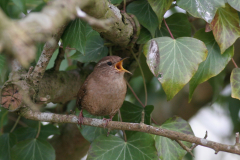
(80, 119)
(107, 120)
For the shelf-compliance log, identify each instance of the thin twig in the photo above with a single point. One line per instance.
(124, 133)
(124, 5)
(144, 81)
(59, 118)
(39, 129)
(205, 137)
(135, 95)
(154, 121)
(168, 28)
(15, 124)
(237, 138)
(184, 147)
(59, 59)
(19, 122)
(142, 118)
(235, 64)
(68, 48)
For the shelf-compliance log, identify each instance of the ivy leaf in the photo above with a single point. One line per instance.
(235, 4)
(167, 148)
(21, 4)
(116, 1)
(235, 83)
(36, 149)
(24, 133)
(133, 113)
(178, 24)
(234, 108)
(144, 36)
(179, 61)
(204, 9)
(3, 5)
(145, 15)
(90, 133)
(74, 35)
(95, 50)
(40, 47)
(3, 117)
(214, 63)
(225, 27)
(217, 84)
(140, 146)
(7, 141)
(3, 69)
(160, 8)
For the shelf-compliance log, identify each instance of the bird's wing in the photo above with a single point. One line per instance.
(81, 94)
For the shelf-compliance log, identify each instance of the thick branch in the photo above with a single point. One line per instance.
(19, 37)
(57, 118)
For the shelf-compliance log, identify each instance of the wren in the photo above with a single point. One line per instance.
(104, 90)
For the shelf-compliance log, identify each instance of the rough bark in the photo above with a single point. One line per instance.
(57, 118)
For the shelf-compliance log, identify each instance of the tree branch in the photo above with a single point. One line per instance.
(59, 59)
(19, 37)
(57, 118)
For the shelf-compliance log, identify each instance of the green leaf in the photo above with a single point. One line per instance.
(178, 24)
(234, 108)
(179, 61)
(21, 4)
(3, 5)
(204, 9)
(74, 35)
(40, 47)
(90, 133)
(7, 141)
(217, 84)
(214, 63)
(24, 133)
(167, 148)
(235, 4)
(116, 1)
(47, 130)
(160, 7)
(144, 36)
(140, 146)
(3, 69)
(39, 7)
(33, 149)
(145, 15)
(133, 113)
(3, 117)
(225, 27)
(95, 50)
(235, 83)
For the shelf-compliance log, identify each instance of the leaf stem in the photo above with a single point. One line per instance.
(144, 82)
(39, 129)
(168, 28)
(15, 124)
(124, 5)
(124, 133)
(135, 95)
(235, 64)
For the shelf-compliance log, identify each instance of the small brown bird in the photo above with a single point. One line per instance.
(104, 90)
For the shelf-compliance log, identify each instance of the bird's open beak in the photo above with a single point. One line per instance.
(119, 66)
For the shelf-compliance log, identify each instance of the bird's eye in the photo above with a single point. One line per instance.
(109, 63)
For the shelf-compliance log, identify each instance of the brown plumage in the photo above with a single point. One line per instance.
(104, 90)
